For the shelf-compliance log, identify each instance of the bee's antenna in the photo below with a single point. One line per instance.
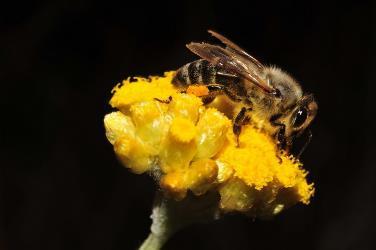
(306, 143)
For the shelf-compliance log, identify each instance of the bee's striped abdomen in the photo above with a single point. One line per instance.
(203, 72)
(197, 72)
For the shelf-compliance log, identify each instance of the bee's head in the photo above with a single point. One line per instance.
(301, 116)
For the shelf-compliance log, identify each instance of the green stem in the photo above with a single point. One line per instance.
(152, 242)
(161, 227)
(169, 216)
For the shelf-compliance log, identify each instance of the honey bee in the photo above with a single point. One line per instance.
(266, 92)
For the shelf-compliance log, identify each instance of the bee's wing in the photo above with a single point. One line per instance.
(230, 61)
(235, 48)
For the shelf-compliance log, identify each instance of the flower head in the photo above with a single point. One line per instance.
(191, 147)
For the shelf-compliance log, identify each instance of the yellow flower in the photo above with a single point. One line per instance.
(183, 130)
(191, 147)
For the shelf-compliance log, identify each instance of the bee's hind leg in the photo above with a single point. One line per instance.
(208, 99)
(218, 89)
(214, 90)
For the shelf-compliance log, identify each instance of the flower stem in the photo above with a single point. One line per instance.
(169, 216)
(152, 242)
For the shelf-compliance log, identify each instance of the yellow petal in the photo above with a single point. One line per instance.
(212, 128)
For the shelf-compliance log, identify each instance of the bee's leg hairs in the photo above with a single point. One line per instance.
(240, 119)
(280, 135)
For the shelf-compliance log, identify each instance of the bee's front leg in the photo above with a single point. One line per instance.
(283, 143)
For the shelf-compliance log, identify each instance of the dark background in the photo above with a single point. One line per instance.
(61, 186)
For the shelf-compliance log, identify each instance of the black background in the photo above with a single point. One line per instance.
(61, 185)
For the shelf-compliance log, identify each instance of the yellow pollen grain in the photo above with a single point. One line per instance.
(198, 90)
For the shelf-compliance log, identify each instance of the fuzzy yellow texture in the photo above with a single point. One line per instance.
(192, 147)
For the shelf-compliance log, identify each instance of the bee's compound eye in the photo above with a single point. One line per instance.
(300, 117)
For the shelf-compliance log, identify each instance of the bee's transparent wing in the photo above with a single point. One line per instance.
(230, 61)
(235, 48)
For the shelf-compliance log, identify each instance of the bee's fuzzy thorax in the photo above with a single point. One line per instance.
(290, 89)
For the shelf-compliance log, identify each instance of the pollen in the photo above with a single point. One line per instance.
(198, 90)
(190, 147)
(161, 89)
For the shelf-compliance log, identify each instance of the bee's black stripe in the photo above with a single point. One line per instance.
(193, 72)
(179, 78)
(207, 72)
(199, 70)
(223, 79)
